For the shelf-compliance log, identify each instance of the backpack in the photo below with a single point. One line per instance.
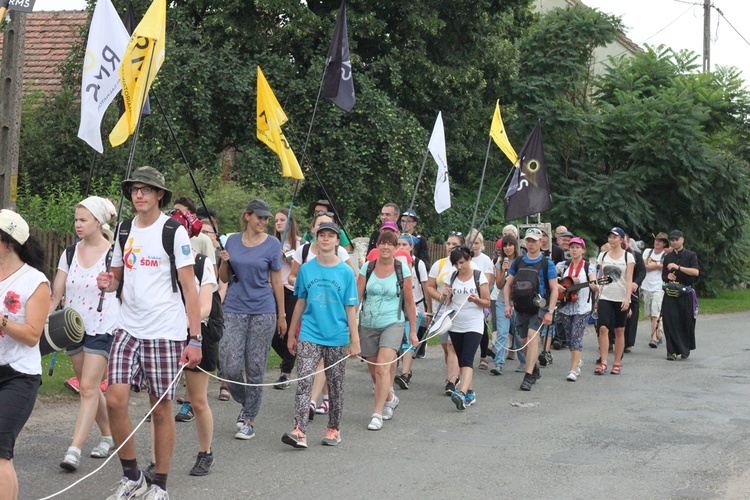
(526, 284)
(167, 241)
(305, 251)
(214, 330)
(397, 265)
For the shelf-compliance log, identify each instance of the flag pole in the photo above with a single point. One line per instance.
(128, 171)
(470, 242)
(492, 205)
(187, 164)
(91, 174)
(419, 179)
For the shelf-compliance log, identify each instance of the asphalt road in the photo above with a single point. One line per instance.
(661, 429)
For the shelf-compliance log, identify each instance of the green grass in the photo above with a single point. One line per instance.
(727, 301)
(55, 385)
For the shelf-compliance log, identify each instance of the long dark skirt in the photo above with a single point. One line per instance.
(679, 324)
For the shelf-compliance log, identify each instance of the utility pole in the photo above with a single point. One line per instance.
(706, 36)
(11, 80)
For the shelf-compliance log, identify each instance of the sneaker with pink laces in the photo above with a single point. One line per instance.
(295, 438)
(333, 437)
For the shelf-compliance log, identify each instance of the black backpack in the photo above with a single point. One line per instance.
(397, 265)
(214, 331)
(526, 284)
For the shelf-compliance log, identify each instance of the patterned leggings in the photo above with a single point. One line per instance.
(574, 326)
(308, 357)
(245, 344)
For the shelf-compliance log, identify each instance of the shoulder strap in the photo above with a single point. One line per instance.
(545, 271)
(123, 231)
(70, 251)
(398, 267)
(305, 251)
(650, 252)
(199, 267)
(477, 274)
(167, 241)
(368, 273)
(416, 268)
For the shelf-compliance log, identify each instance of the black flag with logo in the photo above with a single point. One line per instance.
(338, 84)
(129, 21)
(528, 193)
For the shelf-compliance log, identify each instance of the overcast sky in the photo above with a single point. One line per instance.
(676, 23)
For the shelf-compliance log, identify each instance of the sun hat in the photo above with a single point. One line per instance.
(151, 177)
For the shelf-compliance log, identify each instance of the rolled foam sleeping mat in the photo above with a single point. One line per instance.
(64, 328)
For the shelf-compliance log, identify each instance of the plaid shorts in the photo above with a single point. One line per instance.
(133, 360)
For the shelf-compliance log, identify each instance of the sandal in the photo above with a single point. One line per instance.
(483, 365)
(322, 408)
(616, 369)
(223, 394)
(601, 369)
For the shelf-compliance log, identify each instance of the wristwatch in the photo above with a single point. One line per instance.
(198, 337)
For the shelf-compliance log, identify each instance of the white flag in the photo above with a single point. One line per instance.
(100, 83)
(437, 149)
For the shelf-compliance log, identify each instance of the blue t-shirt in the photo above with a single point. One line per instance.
(551, 271)
(383, 298)
(327, 290)
(252, 292)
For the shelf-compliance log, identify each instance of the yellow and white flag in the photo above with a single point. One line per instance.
(270, 119)
(142, 60)
(497, 132)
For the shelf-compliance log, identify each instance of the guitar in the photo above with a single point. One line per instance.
(571, 288)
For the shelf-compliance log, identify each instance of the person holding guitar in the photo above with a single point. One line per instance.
(575, 305)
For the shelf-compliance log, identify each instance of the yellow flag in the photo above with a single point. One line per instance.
(270, 119)
(141, 61)
(497, 132)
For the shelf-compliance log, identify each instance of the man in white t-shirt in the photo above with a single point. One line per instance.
(653, 293)
(150, 344)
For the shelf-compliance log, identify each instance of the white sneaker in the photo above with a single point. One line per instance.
(130, 489)
(155, 493)
(572, 376)
(580, 365)
(389, 406)
(376, 423)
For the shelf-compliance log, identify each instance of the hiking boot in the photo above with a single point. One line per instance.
(186, 413)
(333, 437)
(528, 381)
(203, 464)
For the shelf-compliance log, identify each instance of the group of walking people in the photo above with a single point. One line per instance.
(149, 316)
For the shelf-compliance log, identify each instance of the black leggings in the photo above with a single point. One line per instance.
(278, 343)
(484, 344)
(17, 396)
(465, 344)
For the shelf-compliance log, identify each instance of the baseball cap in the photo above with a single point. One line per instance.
(329, 226)
(411, 213)
(14, 225)
(618, 231)
(390, 226)
(533, 233)
(676, 234)
(564, 234)
(151, 177)
(259, 208)
(578, 241)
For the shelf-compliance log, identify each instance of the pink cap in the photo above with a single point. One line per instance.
(389, 225)
(578, 241)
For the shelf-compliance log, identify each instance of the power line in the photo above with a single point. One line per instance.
(730, 24)
(665, 27)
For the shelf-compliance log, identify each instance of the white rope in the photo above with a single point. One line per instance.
(115, 452)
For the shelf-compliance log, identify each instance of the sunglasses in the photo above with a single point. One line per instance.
(318, 213)
(455, 233)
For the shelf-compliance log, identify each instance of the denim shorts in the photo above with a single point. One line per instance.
(92, 344)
